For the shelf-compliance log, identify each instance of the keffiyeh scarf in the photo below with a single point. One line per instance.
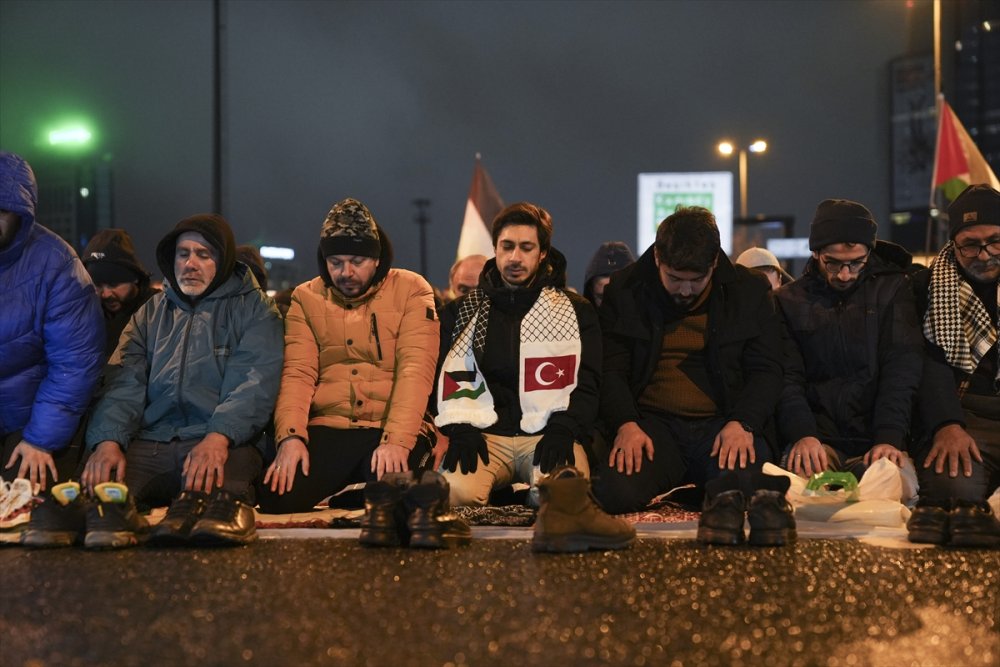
(548, 364)
(956, 320)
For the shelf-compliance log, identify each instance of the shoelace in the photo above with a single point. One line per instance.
(221, 508)
(186, 505)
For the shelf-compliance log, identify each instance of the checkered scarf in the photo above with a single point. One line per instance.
(956, 319)
(549, 328)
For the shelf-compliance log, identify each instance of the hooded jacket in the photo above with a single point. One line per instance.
(856, 356)
(499, 359)
(742, 343)
(189, 366)
(115, 246)
(360, 362)
(51, 330)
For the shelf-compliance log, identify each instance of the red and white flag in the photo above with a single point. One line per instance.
(544, 373)
(480, 209)
(957, 161)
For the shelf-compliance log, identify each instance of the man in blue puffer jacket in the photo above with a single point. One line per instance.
(51, 334)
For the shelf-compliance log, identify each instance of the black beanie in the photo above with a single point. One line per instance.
(349, 229)
(110, 259)
(611, 256)
(841, 221)
(219, 235)
(977, 205)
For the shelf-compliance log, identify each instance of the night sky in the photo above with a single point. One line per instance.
(387, 102)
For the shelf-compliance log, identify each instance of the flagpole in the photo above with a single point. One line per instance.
(422, 219)
(932, 220)
(937, 47)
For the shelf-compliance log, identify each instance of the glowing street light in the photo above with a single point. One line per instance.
(73, 136)
(727, 148)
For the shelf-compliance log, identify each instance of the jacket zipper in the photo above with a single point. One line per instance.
(180, 378)
(378, 343)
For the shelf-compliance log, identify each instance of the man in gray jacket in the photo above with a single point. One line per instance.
(189, 391)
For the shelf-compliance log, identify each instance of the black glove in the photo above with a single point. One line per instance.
(554, 449)
(466, 445)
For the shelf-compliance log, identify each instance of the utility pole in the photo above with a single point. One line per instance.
(423, 220)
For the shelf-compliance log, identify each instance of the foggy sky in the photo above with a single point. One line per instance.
(386, 102)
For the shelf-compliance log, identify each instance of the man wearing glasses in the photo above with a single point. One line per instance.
(854, 354)
(959, 396)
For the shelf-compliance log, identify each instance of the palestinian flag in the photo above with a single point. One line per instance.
(957, 162)
(480, 209)
(460, 384)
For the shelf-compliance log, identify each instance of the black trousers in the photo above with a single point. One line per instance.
(985, 476)
(337, 457)
(681, 455)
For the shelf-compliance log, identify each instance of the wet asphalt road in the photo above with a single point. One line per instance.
(664, 602)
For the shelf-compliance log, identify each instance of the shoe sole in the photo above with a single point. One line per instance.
(927, 537)
(108, 539)
(974, 540)
(728, 538)
(48, 539)
(372, 537)
(439, 540)
(772, 538)
(579, 543)
(168, 540)
(213, 540)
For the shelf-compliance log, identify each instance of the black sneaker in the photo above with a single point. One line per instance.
(772, 523)
(929, 522)
(183, 514)
(112, 519)
(226, 521)
(973, 524)
(59, 521)
(384, 522)
(722, 517)
(430, 521)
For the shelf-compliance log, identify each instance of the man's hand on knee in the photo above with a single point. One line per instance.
(205, 463)
(107, 458)
(34, 462)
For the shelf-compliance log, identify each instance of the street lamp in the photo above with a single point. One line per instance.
(726, 148)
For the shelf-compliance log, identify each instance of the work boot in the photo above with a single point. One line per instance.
(112, 519)
(928, 524)
(570, 518)
(384, 522)
(226, 521)
(723, 512)
(973, 524)
(182, 515)
(431, 522)
(60, 520)
(771, 518)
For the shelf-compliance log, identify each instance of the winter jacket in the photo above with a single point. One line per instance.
(939, 402)
(51, 329)
(361, 362)
(743, 342)
(857, 355)
(499, 360)
(188, 367)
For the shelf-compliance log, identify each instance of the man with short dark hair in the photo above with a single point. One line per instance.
(959, 397)
(692, 370)
(519, 380)
(189, 391)
(121, 281)
(856, 351)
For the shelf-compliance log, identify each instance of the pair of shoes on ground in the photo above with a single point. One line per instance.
(570, 518)
(66, 517)
(402, 510)
(955, 523)
(195, 517)
(772, 522)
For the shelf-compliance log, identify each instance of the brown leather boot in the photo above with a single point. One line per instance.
(570, 519)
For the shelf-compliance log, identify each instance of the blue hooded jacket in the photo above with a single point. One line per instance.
(51, 328)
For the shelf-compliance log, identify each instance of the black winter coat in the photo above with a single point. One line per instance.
(743, 342)
(857, 357)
